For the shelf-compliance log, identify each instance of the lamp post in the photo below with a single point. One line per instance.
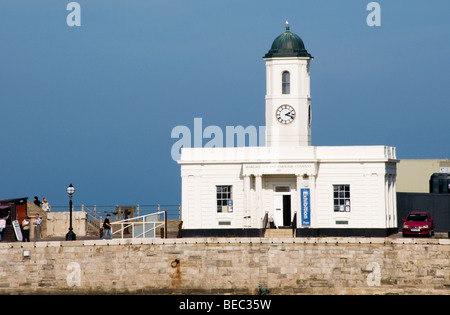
(70, 236)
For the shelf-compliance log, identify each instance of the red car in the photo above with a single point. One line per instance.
(418, 223)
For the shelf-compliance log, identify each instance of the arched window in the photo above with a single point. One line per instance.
(309, 115)
(286, 82)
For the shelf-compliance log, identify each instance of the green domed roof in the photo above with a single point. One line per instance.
(287, 45)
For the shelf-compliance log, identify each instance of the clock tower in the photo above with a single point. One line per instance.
(288, 99)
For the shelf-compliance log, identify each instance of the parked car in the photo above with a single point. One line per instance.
(418, 223)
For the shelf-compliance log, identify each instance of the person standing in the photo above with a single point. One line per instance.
(37, 228)
(26, 229)
(45, 205)
(3, 225)
(37, 202)
(107, 228)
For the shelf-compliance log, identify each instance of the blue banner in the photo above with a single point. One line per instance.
(306, 207)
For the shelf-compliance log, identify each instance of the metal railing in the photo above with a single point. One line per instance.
(148, 226)
(99, 212)
(294, 224)
(264, 222)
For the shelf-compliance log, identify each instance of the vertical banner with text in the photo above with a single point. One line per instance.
(306, 206)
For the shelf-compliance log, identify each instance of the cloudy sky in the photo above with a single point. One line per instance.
(95, 105)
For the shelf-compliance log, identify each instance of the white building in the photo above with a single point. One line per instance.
(317, 190)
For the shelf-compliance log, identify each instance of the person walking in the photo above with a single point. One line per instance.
(26, 229)
(107, 227)
(37, 228)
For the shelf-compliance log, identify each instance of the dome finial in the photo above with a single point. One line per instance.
(287, 45)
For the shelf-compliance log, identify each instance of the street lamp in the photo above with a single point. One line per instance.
(70, 236)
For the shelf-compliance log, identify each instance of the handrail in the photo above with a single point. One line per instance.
(91, 213)
(294, 223)
(265, 220)
(142, 220)
(96, 212)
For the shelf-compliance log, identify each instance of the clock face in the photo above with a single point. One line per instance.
(285, 114)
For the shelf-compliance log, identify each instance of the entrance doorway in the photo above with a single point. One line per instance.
(282, 206)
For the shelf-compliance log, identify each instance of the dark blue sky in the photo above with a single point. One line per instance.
(95, 105)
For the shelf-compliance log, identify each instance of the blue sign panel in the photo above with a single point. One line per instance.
(306, 207)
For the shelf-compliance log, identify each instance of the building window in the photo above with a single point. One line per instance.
(309, 115)
(286, 82)
(282, 189)
(224, 198)
(341, 198)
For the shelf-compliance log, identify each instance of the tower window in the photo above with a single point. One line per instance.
(286, 82)
(309, 115)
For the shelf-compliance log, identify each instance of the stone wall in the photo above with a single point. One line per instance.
(227, 265)
(56, 224)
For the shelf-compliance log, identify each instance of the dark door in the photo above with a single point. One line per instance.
(286, 210)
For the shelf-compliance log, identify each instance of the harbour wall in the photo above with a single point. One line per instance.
(227, 266)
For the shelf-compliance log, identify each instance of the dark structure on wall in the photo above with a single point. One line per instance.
(18, 207)
(440, 183)
(438, 205)
(17, 210)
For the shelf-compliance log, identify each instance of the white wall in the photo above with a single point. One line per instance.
(367, 192)
(370, 172)
(58, 223)
(199, 204)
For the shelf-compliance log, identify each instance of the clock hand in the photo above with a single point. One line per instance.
(289, 115)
